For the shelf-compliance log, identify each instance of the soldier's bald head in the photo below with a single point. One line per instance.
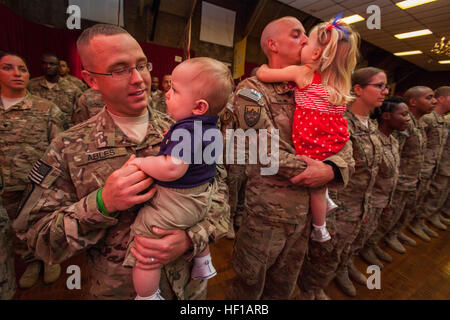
(273, 29)
(414, 92)
(88, 34)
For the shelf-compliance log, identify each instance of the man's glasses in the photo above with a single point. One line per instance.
(124, 73)
(380, 86)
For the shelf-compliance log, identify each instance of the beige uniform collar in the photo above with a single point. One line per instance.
(25, 104)
(109, 135)
(57, 87)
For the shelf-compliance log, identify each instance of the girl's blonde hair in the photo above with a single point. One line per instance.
(339, 57)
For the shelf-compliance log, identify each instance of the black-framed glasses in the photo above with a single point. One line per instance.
(380, 86)
(123, 73)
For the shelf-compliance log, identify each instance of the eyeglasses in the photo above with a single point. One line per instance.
(124, 73)
(380, 86)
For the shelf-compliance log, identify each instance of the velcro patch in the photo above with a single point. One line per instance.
(252, 114)
(250, 94)
(100, 155)
(43, 174)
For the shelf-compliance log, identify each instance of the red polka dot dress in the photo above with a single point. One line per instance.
(319, 129)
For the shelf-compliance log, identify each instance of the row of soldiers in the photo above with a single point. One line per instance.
(413, 162)
(49, 105)
(271, 244)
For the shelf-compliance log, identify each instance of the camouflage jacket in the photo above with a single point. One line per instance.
(88, 105)
(7, 274)
(412, 144)
(60, 217)
(159, 103)
(74, 80)
(26, 130)
(436, 131)
(354, 200)
(260, 106)
(386, 180)
(444, 164)
(64, 94)
(155, 94)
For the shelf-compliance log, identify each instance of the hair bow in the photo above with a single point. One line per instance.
(338, 24)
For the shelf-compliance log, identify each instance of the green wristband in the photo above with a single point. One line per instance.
(100, 204)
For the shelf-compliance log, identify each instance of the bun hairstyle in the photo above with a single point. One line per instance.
(389, 105)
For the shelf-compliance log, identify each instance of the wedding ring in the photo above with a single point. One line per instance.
(152, 260)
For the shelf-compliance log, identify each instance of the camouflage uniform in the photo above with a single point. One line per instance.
(272, 241)
(7, 274)
(74, 80)
(26, 130)
(155, 95)
(159, 103)
(412, 144)
(88, 105)
(437, 131)
(379, 223)
(63, 218)
(444, 168)
(64, 94)
(353, 208)
(236, 178)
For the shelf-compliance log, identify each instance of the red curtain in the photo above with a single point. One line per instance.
(31, 40)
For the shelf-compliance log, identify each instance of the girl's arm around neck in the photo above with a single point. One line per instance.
(301, 75)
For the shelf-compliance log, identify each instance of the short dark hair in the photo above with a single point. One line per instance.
(10, 53)
(49, 54)
(443, 91)
(389, 105)
(364, 75)
(98, 29)
(88, 34)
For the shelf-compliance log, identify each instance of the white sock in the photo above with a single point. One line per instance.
(152, 297)
(203, 259)
(320, 227)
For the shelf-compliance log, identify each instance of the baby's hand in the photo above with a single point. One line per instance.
(136, 162)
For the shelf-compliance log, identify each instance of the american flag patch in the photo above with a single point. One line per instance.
(39, 171)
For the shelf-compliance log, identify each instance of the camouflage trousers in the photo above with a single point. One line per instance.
(267, 257)
(403, 208)
(368, 228)
(7, 274)
(422, 193)
(236, 181)
(324, 258)
(388, 218)
(446, 207)
(11, 201)
(437, 195)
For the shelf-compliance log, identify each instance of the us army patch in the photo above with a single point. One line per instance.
(250, 94)
(252, 114)
(43, 174)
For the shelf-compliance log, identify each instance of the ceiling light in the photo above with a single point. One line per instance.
(352, 19)
(444, 61)
(412, 3)
(412, 34)
(408, 53)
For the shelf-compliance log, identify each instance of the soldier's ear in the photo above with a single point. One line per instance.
(89, 79)
(272, 45)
